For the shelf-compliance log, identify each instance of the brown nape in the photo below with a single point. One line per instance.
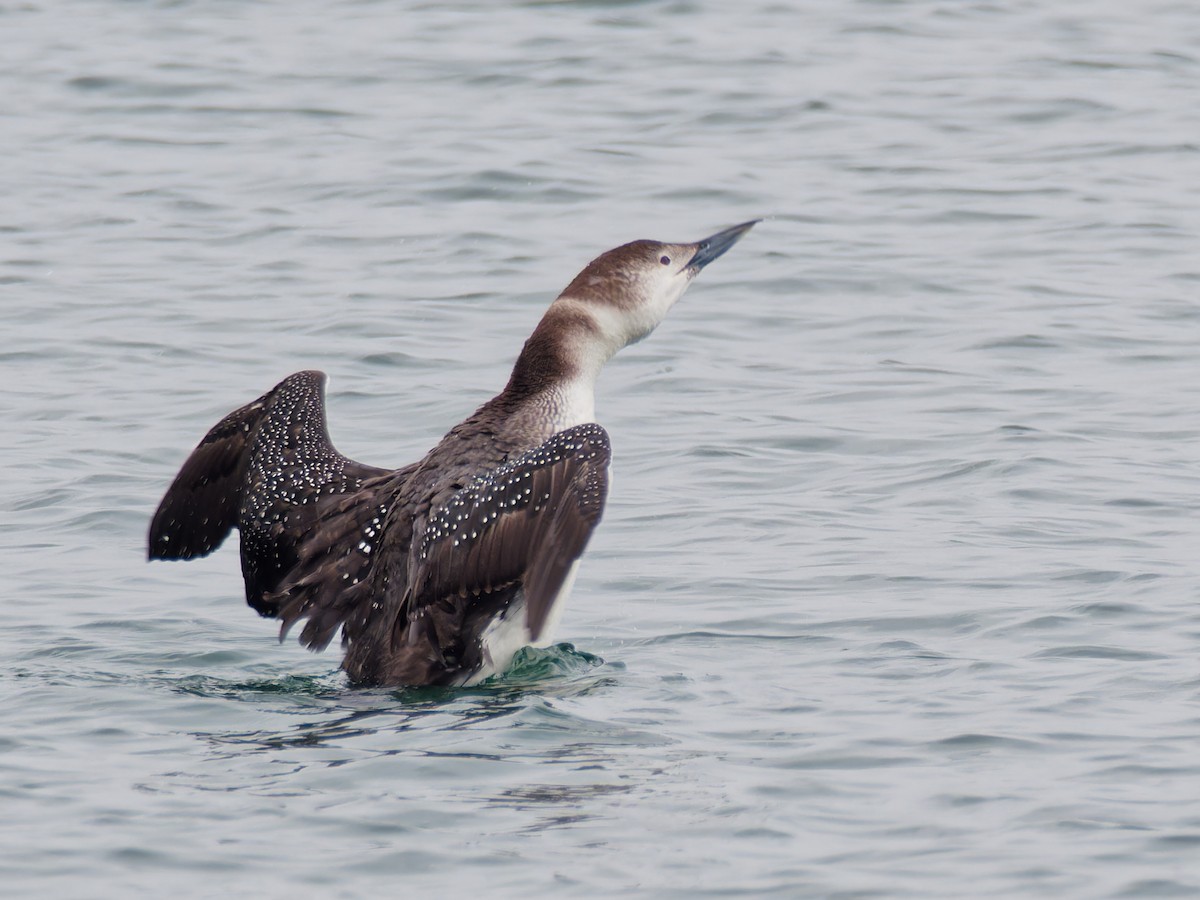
(605, 276)
(547, 359)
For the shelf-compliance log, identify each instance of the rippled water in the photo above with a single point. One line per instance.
(896, 593)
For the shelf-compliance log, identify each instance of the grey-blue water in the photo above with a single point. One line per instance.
(897, 590)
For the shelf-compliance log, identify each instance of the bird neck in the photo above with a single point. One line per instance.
(566, 352)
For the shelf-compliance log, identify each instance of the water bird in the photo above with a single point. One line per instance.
(440, 571)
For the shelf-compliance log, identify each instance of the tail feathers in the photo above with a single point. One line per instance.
(201, 506)
(331, 583)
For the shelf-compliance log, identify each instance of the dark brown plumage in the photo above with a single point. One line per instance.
(315, 527)
(437, 572)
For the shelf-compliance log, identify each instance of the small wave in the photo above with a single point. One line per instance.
(286, 685)
(973, 741)
(1096, 652)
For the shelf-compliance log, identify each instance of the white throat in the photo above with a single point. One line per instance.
(574, 403)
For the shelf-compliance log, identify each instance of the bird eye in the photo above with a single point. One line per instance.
(666, 260)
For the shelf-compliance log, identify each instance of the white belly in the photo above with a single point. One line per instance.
(506, 634)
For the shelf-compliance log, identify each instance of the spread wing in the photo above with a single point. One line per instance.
(524, 522)
(201, 506)
(266, 469)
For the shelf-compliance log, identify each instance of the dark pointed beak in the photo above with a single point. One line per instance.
(711, 247)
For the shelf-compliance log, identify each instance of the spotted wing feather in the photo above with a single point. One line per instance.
(329, 583)
(266, 469)
(525, 522)
(201, 506)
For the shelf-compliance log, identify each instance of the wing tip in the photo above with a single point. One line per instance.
(160, 548)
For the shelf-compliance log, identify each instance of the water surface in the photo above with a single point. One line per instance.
(896, 591)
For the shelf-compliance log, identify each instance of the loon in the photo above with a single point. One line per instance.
(436, 573)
